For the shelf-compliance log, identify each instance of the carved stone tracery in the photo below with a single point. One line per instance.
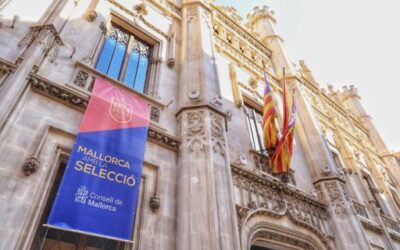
(47, 36)
(217, 134)
(195, 130)
(338, 197)
(276, 200)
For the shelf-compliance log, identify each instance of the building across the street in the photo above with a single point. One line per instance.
(206, 180)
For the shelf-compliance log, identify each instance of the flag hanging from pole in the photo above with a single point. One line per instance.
(269, 114)
(281, 158)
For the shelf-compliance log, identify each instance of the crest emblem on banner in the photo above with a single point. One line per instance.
(120, 110)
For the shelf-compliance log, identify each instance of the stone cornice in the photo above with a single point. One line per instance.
(57, 92)
(79, 102)
(241, 60)
(277, 185)
(250, 38)
(196, 3)
(332, 104)
(207, 106)
(368, 224)
(6, 67)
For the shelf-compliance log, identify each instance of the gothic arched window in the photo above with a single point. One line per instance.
(124, 57)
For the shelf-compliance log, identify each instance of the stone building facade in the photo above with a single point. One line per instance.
(206, 183)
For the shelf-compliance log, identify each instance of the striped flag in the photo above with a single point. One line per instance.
(280, 160)
(269, 114)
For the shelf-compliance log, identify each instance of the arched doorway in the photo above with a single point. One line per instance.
(260, 231)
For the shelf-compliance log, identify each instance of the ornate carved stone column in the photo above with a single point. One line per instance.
(206, 212)
(206, 215)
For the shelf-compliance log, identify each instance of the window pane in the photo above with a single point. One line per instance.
(106, 55)
(131, 68)
(259, 130)
(255, 128)
(141, 74)
(125, 58)
(116, 62)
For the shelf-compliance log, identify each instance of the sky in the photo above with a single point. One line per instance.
(345, 42)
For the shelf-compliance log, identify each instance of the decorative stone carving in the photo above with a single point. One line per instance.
(242, 160)
(81, 79)
(46, 35)
(326, 170)
(195, 131)
(6, 68)
(196, 123)
(240, 44)
(194, 96)
(57, 92)
(154, 113)
(141, 9)
(192, 14)
(306, 73)
(337, 199)
(371, 225)
(155, 202)
(262, 163)
(232, 13)
(217, 134)
(268, 196)
(391, 224)
(163, 139)
(360, 209)
(91, 15)
(31, 165)
(171, 63)
(217, 101)
(253, 83)
(136, 17)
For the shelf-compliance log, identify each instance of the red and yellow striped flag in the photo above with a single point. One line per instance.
(269, 114)
(281, 158)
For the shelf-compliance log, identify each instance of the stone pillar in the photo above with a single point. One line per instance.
(206, 215)
(326, 178)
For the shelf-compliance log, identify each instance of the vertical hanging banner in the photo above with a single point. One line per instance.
(99, 190)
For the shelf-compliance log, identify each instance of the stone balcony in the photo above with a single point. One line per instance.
(264, 194)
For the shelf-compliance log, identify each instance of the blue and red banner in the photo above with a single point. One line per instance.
(99, 190)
